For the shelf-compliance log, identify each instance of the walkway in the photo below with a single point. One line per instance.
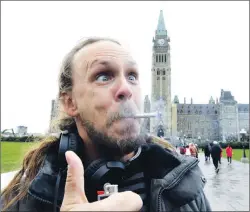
(229, 189)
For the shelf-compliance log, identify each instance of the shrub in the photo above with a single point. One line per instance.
(22, 138)
(235, 145)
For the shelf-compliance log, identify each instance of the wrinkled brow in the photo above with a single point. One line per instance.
(107, 62)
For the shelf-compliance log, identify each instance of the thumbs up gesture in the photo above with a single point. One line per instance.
(76, 200)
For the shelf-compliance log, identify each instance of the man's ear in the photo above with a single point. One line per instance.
(69, 104)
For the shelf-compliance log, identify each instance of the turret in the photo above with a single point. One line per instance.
(211, 101)
(161, 29)
(176, 99)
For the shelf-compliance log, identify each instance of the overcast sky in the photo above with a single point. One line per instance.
(209, 49)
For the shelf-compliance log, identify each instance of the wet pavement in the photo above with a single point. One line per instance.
(6, 178)
(229, 189)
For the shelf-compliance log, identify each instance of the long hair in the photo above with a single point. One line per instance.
(17, 189)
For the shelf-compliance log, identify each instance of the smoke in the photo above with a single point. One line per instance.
(158, 107)
(125, 110)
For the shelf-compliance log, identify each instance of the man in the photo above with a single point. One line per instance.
(99, 88)
(207, 151)
(216, 154)
(182, 150)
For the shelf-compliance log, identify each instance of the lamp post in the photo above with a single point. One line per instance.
(244, 159)
(199, 139)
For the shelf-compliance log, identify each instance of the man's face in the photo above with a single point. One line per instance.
(106, 88)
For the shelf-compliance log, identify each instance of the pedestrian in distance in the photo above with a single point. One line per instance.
(193, 150)
(207, 151)
(197, 150)
(187, 152)
(216, 154)
(229, 152)
(182, 150)
(221, 154)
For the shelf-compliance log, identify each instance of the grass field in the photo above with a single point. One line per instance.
(237, 154)
(12, 154)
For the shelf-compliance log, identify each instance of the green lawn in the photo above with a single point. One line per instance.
(237, 154)
(12, 154)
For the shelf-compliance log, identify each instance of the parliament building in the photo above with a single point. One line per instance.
(217, 120)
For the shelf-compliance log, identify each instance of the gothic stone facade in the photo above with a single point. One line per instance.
(215, 120)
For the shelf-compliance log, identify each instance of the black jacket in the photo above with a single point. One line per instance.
(216, 151)
(176, 183)
(207, 149)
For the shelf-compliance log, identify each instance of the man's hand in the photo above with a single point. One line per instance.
(76, 200)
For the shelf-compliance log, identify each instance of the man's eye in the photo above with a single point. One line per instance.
(132, 77)
(103, 77)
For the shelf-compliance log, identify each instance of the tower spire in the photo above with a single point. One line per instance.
(161, 29)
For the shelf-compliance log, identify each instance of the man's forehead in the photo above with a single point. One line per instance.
(102, 52)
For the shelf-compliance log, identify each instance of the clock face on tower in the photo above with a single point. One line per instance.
(161, 41)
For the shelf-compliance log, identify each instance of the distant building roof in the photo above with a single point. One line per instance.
(243, 108)
(227, 97)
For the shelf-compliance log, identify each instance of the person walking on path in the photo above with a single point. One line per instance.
(215, 153)
(207, 152)
(197, 150)
(188, 152)
(182, 150)
(229, 152)
(193, 150)
(220, 154)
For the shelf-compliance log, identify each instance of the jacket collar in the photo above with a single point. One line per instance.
(159, 163)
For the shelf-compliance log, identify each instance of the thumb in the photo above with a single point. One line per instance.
(74, 187)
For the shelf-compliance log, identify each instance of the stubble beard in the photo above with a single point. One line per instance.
(110, 147)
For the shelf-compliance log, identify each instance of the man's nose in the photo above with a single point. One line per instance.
(124, 91)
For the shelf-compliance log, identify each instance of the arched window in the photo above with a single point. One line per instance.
(160, 58)
(163, 72)
(165, 58)
(157, 58)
